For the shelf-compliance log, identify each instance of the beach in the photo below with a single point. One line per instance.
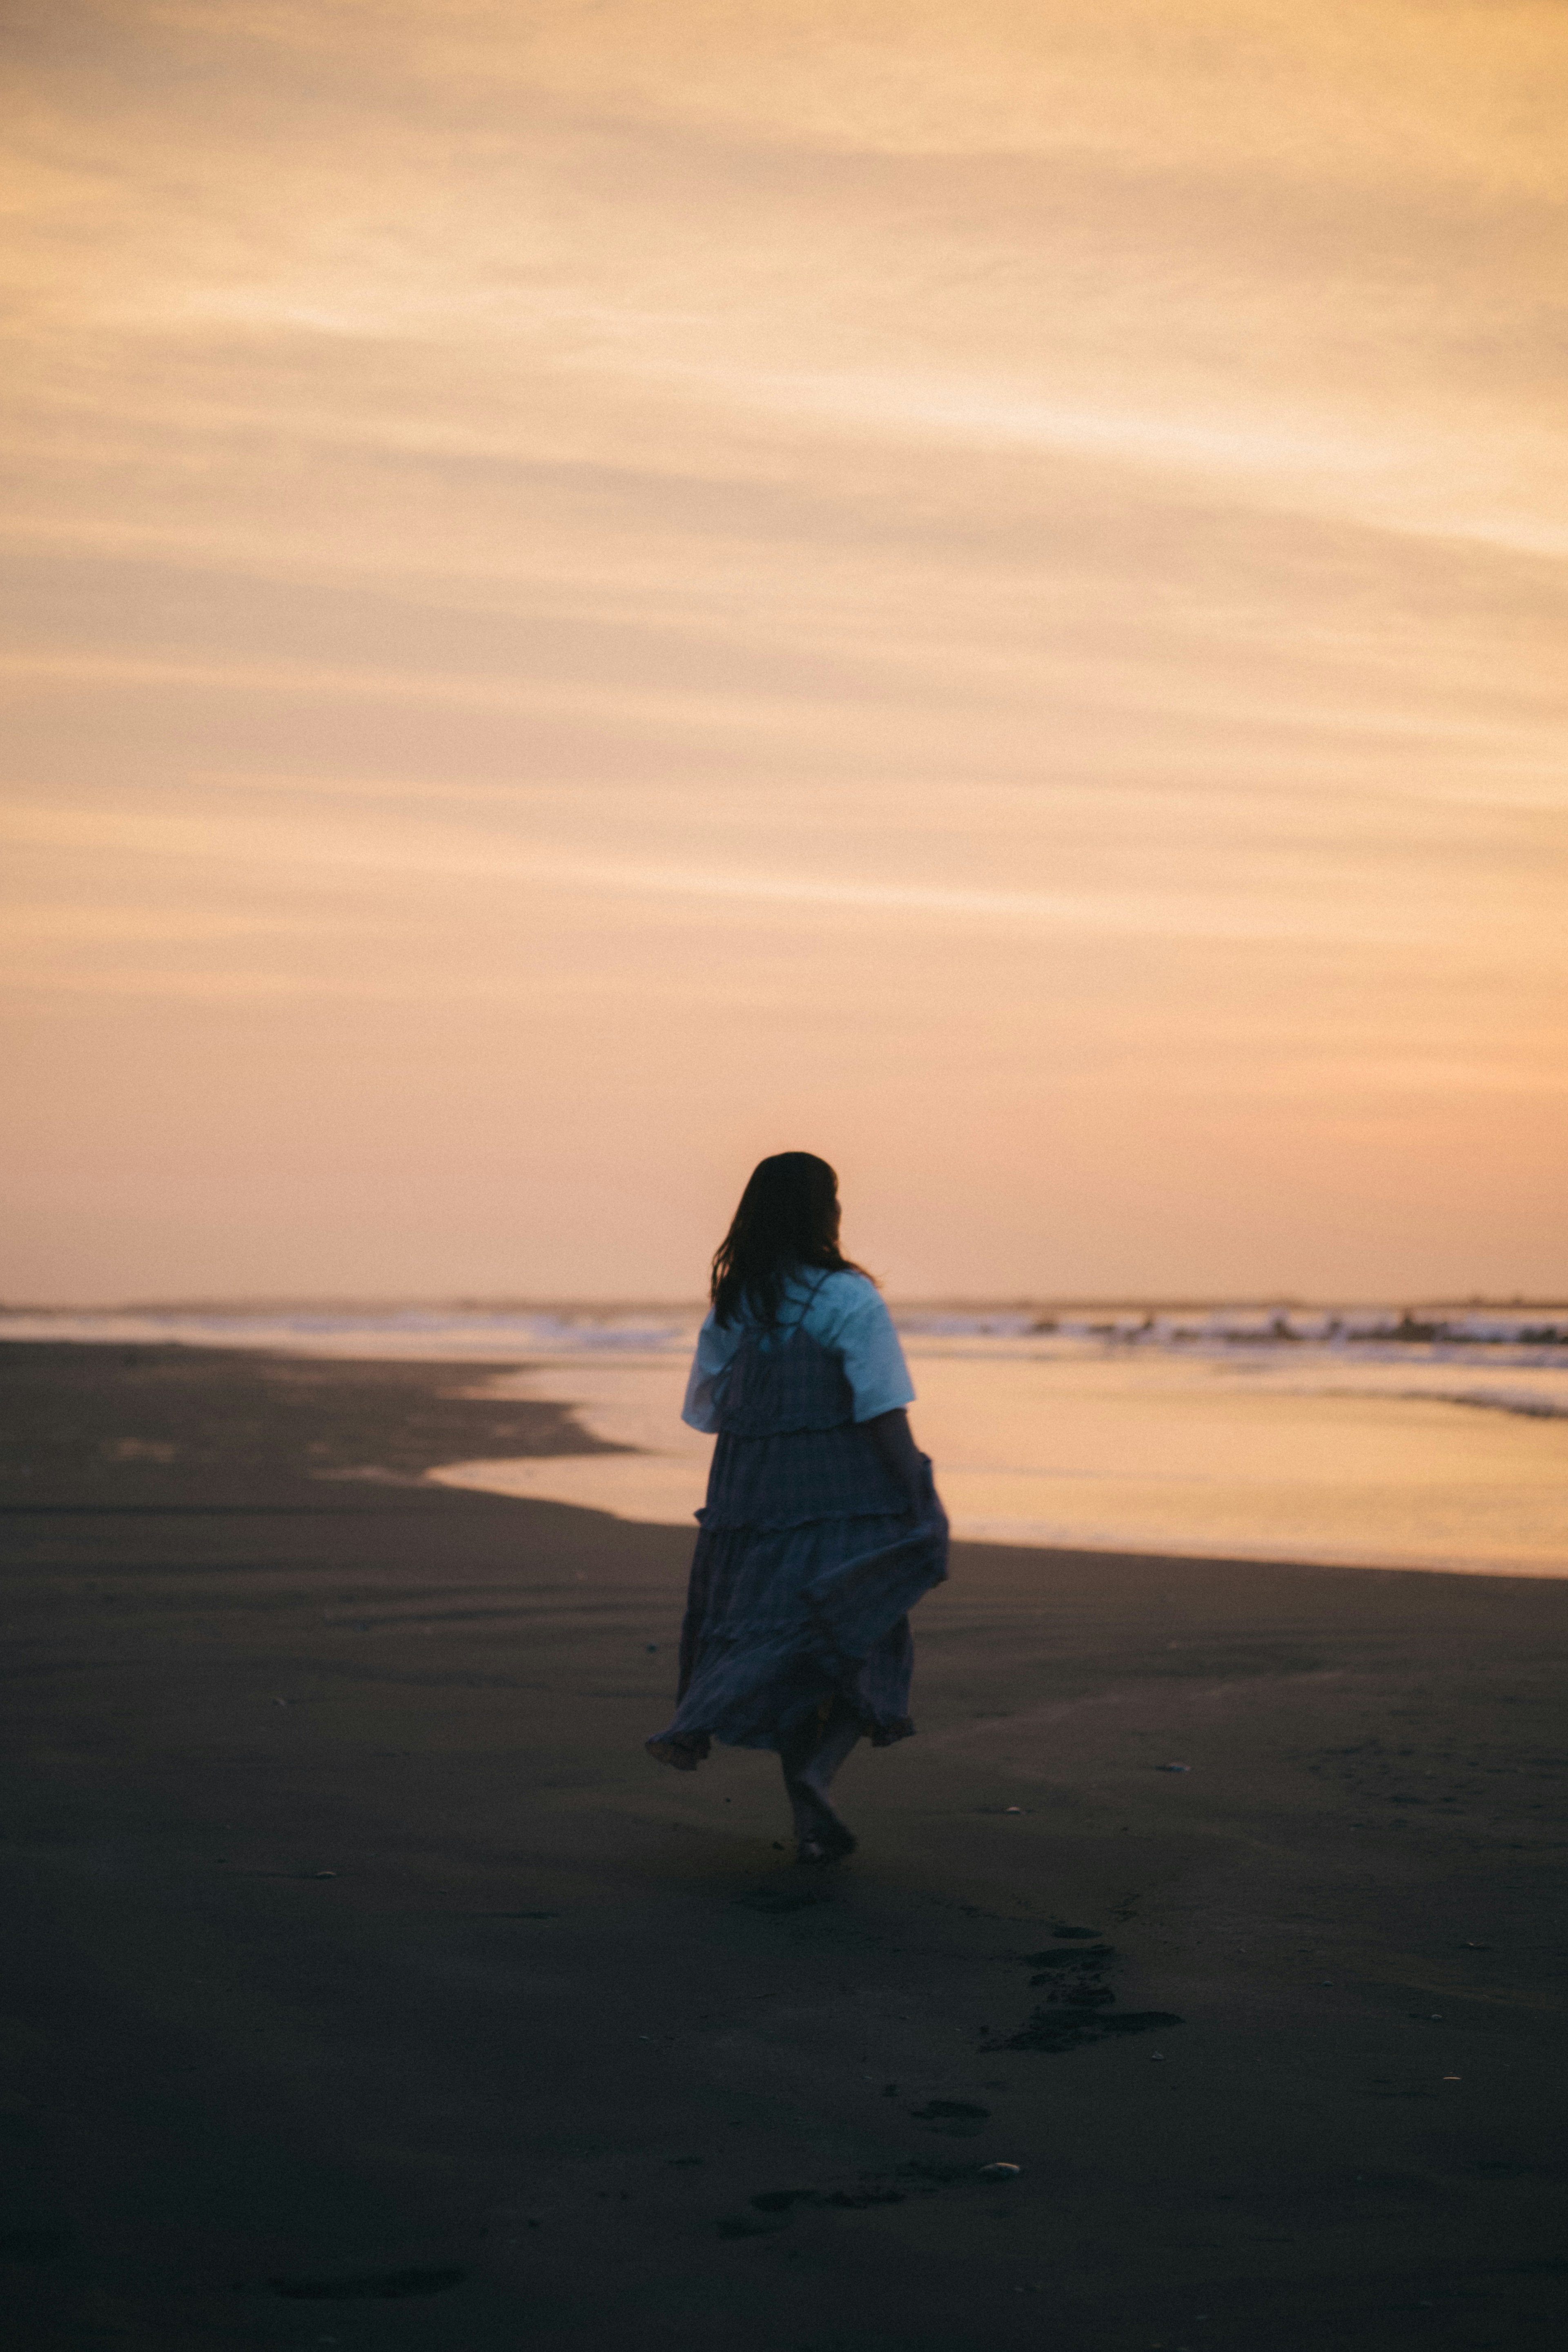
(367, 1984)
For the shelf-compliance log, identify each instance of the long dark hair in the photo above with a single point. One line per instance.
(788, 1218)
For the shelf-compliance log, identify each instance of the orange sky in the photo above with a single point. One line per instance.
(597, 589)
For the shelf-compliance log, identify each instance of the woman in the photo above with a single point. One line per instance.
(822, 1527)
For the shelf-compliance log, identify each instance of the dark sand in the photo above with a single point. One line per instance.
(365, 1983)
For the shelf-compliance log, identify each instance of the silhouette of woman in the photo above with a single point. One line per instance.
(822, 1527)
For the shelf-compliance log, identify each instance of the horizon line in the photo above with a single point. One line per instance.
(1144, 1303)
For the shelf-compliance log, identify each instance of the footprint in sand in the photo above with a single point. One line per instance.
(1081, 2007)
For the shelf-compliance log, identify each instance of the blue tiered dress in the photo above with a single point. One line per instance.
(809, 1554)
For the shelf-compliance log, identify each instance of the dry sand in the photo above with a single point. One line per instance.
(367, 1985)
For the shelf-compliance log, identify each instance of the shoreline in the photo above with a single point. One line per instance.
(521, 1430)
(363, 1979)
(450, 1474)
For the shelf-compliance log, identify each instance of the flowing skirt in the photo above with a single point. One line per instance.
(781, 1619)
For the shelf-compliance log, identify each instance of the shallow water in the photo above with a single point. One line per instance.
(1134, 1452)
(1335, 1441)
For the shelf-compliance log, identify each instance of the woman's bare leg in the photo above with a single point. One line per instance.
(811, 1755)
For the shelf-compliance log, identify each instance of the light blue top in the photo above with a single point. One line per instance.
(845, 1315)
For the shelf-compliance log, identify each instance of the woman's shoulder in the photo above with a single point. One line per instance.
(716, 1341)
(850, 1287)
(842, 1297)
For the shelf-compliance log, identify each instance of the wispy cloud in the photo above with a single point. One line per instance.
(582, 573)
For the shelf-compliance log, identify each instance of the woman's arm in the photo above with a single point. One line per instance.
(715, 1347)
(889, 1434)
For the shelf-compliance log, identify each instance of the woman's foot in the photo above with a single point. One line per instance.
(676, 1752)
(811, 1753)
(828, 1841)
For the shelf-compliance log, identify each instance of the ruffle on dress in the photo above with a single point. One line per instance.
(809, 1562)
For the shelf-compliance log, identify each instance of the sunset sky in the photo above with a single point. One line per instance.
(597, 589)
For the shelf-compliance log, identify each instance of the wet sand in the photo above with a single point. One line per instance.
(365, 1984)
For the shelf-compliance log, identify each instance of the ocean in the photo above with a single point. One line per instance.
(1364, 1435)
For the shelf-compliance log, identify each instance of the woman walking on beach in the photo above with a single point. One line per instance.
(822, 1527)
